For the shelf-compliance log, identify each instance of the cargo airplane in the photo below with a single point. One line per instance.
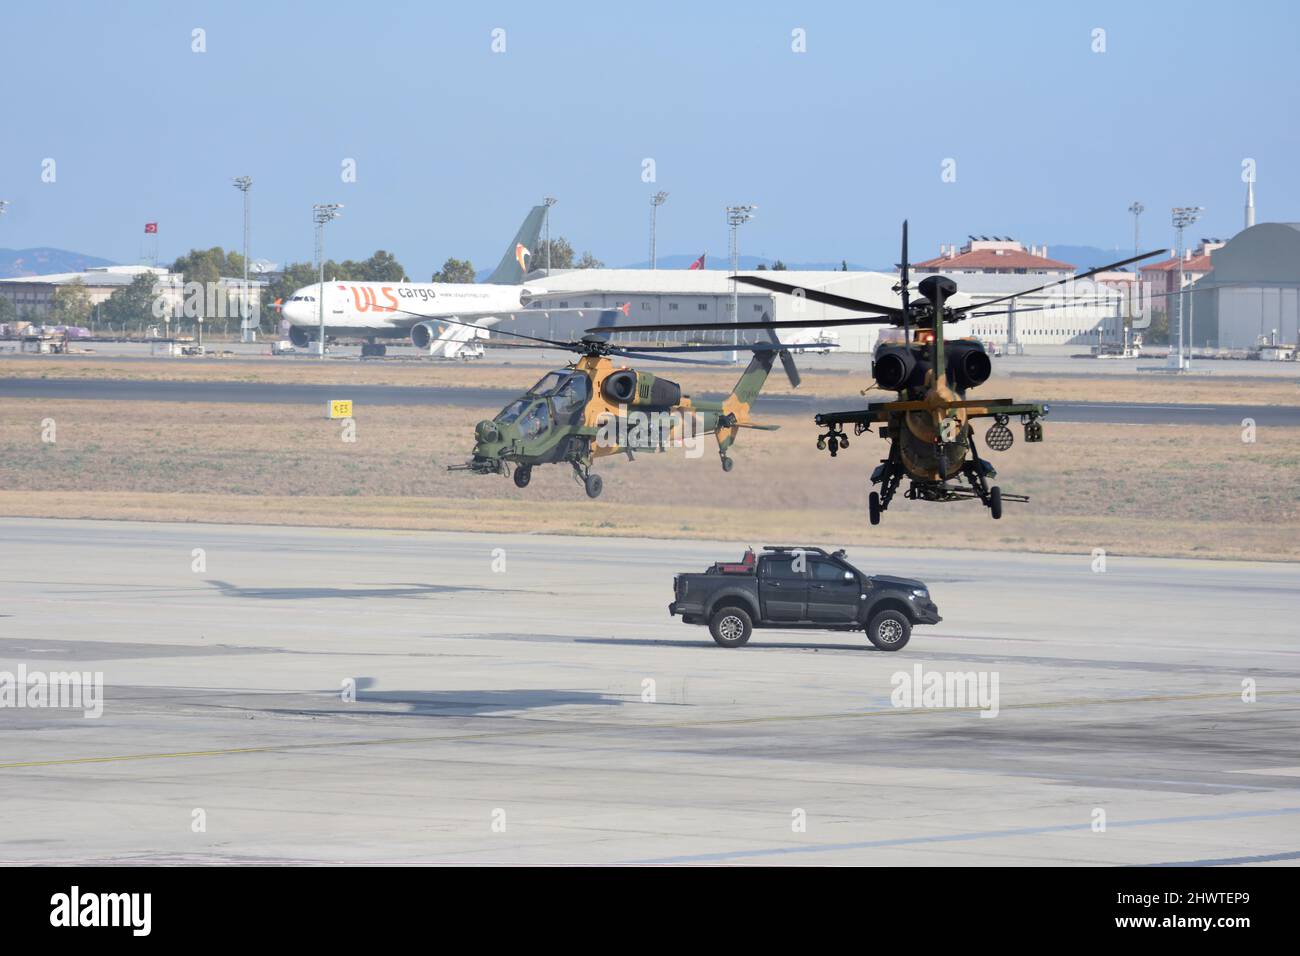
(411, 310)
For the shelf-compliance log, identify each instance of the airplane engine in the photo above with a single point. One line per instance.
(423, 334)
(299, 336)
(628, 387)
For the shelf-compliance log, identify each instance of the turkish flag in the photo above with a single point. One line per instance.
(151, 228)
(698, 263)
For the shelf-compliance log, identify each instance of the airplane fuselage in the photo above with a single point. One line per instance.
(391, 309)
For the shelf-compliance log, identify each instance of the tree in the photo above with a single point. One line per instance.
(844, 265)
(71, 304)
(778, 266)
(588, 261)
(8, 313)
(455, 270)
(132, 305)
(209, 265)
(561, 254)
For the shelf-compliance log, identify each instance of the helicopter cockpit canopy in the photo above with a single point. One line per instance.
(551, 381)
(557, 397)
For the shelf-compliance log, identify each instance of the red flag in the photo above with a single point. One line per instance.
(698, 263)
(151, 228)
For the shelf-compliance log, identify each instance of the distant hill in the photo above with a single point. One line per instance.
(44, 261)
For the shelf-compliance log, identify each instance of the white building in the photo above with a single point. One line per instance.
(681, 296)
(33, 296)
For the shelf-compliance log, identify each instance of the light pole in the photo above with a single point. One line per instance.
(322, 213)
(244, 184)
(1183, 216)
(656, 201)
(736, 217)
(1137, 209)
(549, 201)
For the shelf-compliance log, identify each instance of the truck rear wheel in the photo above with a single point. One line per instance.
(889, 630)
(731, 626)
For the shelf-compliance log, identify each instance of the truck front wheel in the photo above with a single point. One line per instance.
(731, 626)
(889, 630)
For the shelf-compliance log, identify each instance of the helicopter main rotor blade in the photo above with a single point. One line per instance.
(1048, 285)
(816, 295)
(723, 326)
(715, 347)
(655, 357)
(570, 346)
(1118, 298)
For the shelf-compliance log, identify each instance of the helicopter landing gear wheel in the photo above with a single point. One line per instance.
(995, 502)
(523, 475)
(727, 463)
(593, 484)
(873, 507)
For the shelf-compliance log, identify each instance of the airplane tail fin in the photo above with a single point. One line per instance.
(518, 260)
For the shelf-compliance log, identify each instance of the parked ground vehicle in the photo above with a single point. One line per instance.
(803, 588)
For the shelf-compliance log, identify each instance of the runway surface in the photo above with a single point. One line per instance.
(493, 399)
(548, 709)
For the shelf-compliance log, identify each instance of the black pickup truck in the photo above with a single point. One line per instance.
(795, 587)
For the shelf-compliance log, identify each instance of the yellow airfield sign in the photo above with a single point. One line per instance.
(339, 408)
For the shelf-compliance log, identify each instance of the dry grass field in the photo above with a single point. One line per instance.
(519, 371)
(1148, 490)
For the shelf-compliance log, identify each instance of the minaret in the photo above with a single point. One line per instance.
(1250, 203)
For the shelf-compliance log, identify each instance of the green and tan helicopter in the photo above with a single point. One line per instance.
(595, 407)
(928, 427)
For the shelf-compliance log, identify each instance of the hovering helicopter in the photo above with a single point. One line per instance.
(594, 408)
(929, 430)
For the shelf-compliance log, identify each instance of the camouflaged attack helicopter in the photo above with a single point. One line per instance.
(594, 408)
(928, 427)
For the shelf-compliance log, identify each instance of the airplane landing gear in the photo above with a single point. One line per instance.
(727, 463)
(523, 475)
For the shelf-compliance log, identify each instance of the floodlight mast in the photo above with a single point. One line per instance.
(322, 213)
(737, 216)
(1182, 216)
(244, 184)
(656, 201)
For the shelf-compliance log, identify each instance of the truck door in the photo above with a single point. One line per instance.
(833, 593)
(784, 591)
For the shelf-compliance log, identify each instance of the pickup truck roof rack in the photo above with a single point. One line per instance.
(781, 548)
(805, 549)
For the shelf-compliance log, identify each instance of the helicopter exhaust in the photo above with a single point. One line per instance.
(629, 387)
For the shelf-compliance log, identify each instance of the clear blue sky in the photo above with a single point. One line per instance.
(835, 145)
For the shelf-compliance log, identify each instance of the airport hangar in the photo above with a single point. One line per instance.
(1251, 297)
(680, 296)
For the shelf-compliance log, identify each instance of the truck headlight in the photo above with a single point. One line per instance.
(921, 593)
